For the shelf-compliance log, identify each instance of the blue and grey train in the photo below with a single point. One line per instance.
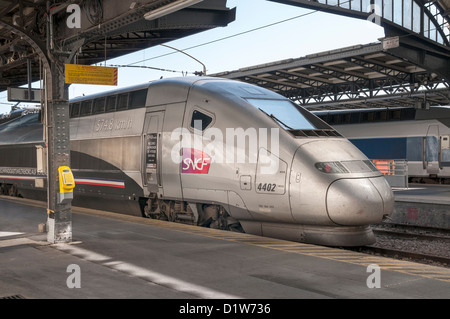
(421, 137)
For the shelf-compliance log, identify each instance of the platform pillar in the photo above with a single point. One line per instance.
(59, 222)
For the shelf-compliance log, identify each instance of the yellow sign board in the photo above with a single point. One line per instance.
(87, 74)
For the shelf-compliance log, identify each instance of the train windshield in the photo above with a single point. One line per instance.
(285, 113)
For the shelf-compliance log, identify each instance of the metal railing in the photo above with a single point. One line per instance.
(426, 18)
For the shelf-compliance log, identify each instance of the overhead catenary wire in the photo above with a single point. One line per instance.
(148, 67)
(99, 14)
(253, 30)
(222, 39)
(132, 65)
(228, 37)
(96, 12)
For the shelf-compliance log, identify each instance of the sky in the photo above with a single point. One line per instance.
(306, 32)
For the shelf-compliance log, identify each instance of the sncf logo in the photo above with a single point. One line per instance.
(195, 162)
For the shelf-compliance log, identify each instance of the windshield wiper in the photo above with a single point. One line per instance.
(273, 117)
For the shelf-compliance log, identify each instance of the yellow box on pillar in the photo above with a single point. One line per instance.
(66, 180)
(66, 184)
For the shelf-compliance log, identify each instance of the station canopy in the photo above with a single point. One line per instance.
(427, 20)
(362, 76)
(415, 71)
(108, 29)
(412, 70)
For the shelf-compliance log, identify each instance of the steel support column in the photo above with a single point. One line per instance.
(59, 222)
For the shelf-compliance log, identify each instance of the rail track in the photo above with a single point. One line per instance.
(418, 244)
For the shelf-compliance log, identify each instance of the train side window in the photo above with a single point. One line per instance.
(137, 99)
(99, 106)
(111, 103)
(122, 103)
(74, 110)
(203, 118)
(86, 108)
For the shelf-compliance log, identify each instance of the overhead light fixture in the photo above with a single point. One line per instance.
(170, 8)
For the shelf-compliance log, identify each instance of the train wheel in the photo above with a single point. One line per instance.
(13, 191)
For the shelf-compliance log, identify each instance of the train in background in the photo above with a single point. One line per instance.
(17, 112)
(421, 137)
(134, 151)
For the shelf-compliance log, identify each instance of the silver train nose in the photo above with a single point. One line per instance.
(359, 201)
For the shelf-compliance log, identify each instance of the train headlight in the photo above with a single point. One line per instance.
(356, 166)
(331, 167)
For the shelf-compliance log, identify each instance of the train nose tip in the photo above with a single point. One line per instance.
(356, 202)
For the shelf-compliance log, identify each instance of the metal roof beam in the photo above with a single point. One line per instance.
(344, 75)
(271, 83)
(398, 81)
(302, 78)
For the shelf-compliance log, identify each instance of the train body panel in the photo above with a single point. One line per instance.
(351, 168)
(210, 152)
(235, 148)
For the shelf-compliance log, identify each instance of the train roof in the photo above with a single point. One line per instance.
(181, 81)
(23, 127)
(187, 81)
(27, 128)
(109, 92)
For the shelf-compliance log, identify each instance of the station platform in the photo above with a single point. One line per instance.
(123, 257)
(423, 205)
(418, 193)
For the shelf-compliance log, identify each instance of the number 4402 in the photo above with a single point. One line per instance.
(266, 187)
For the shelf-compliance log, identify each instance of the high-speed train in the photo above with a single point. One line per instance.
(421, 137)
(210, 152)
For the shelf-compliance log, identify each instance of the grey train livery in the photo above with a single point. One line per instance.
(210, 152)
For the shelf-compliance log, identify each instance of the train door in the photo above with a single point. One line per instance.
(444, 158)
(196, 158)
(431, 150)
(152, 179)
